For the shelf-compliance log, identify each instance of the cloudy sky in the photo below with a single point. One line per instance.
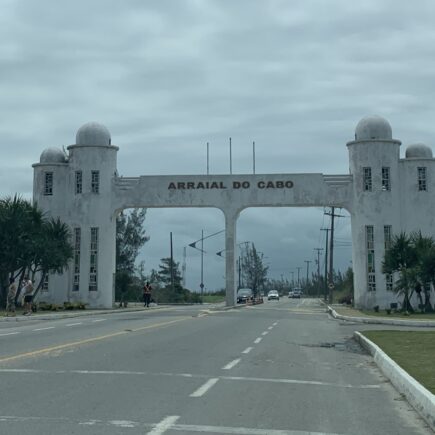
(168, 76)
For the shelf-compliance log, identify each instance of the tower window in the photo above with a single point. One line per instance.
(370, 245)
(367, 179)
(93, 268)
(389, 281)
(386, 183)
(44, 288)
(422, 179)
(77, 243)
(387, 237)
(95, 182)
(48, 183)
(79, 182)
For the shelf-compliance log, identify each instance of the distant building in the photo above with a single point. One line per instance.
(385, 194)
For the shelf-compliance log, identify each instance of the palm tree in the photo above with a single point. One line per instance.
(401, 257)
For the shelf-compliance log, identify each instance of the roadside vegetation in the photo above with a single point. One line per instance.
(414, 351)
(412, 259)
(32, 244)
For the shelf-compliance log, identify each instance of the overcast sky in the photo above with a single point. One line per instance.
(167, 76)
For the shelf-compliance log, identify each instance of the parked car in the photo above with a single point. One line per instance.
(273, 294)
(244, 295)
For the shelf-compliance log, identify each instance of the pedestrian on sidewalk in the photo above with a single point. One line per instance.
(28, 296)
(147, 294)
(12, 292)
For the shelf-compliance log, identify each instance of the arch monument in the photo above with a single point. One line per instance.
(383, 193)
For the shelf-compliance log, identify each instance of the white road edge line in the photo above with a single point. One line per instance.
(74, 324)
(43, 329)
(231, 364)
(257, 340)
(9, 333)
(204, 388)
(247, 350)
(164, 425)
(99, 320)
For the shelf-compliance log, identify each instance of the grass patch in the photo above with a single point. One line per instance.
(414, 351)
(349, 311)
(212, 299)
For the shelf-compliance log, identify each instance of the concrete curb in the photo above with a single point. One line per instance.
(422, 400)
(68, 315)
(382, 321)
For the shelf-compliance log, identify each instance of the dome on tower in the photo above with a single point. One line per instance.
(93, 134)
(373, 127)
(52, 155)
(418, 151)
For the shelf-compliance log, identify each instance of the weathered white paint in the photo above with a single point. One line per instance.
(403, 207)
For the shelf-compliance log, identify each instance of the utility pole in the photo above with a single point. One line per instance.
(318, 270)
(331, 253)
(299, 269)
(308, 266)
(326, 262)
(202, 263)
(172, 264)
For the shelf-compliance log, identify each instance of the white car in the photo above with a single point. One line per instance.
(273, 294)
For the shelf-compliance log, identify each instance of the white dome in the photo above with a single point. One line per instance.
(52, 155)
(373, 128)
(418, 151)
(93, 134)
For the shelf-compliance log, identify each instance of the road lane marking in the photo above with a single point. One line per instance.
(164, 425)
(270, 327)
(194, 376)
(168, 423)
(247, 350)
(276, 323)
(9, 333)
(99, 320)
(265, 333)
(231, 364)
(301, 382)
(204, 388)
(88, 340)
(43, 329)
(74, 324)
(257, 340)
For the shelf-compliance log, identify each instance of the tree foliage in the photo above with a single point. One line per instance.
(253, 269)
(412, 257)
(30, 242)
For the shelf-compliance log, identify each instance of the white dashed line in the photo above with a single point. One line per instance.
(43, 329)
(276, 323)
(265, 333)
(9, 333)
(99, 320)
(247, 350)
(270, 327)
(204, 388)
(74, 324)
(230, 365)
(257, 340)
(164, 425)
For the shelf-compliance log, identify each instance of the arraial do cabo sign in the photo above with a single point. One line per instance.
(243, 184)
(383, 193)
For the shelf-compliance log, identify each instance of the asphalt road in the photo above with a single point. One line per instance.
(284, 367)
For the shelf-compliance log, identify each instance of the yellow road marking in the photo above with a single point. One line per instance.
(88, 340)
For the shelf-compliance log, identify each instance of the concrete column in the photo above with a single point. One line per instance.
(230, 259)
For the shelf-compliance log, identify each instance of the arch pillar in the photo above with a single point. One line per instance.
(231, 217)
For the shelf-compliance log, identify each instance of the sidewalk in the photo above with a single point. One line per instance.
(421, 399)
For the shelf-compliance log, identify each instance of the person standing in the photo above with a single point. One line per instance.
(28, 297)
(147, 294)
(12, 292)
